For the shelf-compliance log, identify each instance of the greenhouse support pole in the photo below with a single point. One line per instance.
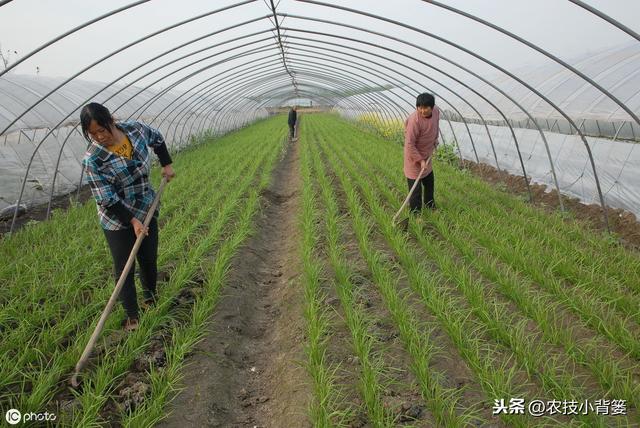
(607, 18)
(55, 174)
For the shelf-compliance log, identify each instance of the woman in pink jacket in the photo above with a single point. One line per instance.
(420, 141)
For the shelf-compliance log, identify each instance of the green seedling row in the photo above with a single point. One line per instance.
(185, 336)
(533, 304)
(380, 163)
(538, 306)
(325, 408)
(442, 401)
(554, 376)
(493, 376)
(42, 367)
(359, 323)
(115, 364)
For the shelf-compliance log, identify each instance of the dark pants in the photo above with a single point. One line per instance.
(417, 201)
(292, 129)
(121, 243)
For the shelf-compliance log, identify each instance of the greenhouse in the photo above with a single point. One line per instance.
(291, 213)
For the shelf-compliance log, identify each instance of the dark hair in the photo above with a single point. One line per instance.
(425, 100)
(97, 112)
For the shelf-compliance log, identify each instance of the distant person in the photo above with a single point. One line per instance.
(293, 117)
(117, 165)
(420, 142)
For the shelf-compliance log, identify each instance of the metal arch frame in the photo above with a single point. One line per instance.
(538, 49)
(143, 107)
(456, 65)
(471, 17)
(184, 56)
(354, 65)
(304, 92)
(387, 68)
(130, 84)
(342, 80)
(235, 101)
(373, 95)
(195, 62)
(314, 95)
(401, 116)
(224, 81)
(258, 81)
(127, 46)
(413, 94)
(607, 18)
(386, 79)
(189, 90)
(394, 71)
(400, 87)
(496, 66)
(170, 88)
(310, 93)
(187, 55)
(339, 79)
(414, 81)
(131, 70)
(200, 95)
(263, 76)
(206, 94)
(279, 38)
(441, 97)
(130, 98)
(68, 33)
(205, 98)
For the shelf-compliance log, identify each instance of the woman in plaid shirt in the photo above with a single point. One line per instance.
(117, 165)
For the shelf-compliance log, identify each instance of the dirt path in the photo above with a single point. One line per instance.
(248, 371)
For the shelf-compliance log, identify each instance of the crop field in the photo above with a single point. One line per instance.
(55, 287)
(475, 311)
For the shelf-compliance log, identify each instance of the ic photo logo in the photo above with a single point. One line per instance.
(13, 416)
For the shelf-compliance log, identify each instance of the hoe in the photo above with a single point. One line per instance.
(413, 188)
(84, 359)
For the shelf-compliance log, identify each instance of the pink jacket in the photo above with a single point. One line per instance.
(420, 140)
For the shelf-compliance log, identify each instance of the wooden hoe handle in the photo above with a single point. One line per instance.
(413, 188)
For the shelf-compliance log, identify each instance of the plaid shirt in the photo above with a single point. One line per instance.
(113, 178)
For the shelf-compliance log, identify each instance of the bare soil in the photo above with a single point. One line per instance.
(248, 370)
(623, 223)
